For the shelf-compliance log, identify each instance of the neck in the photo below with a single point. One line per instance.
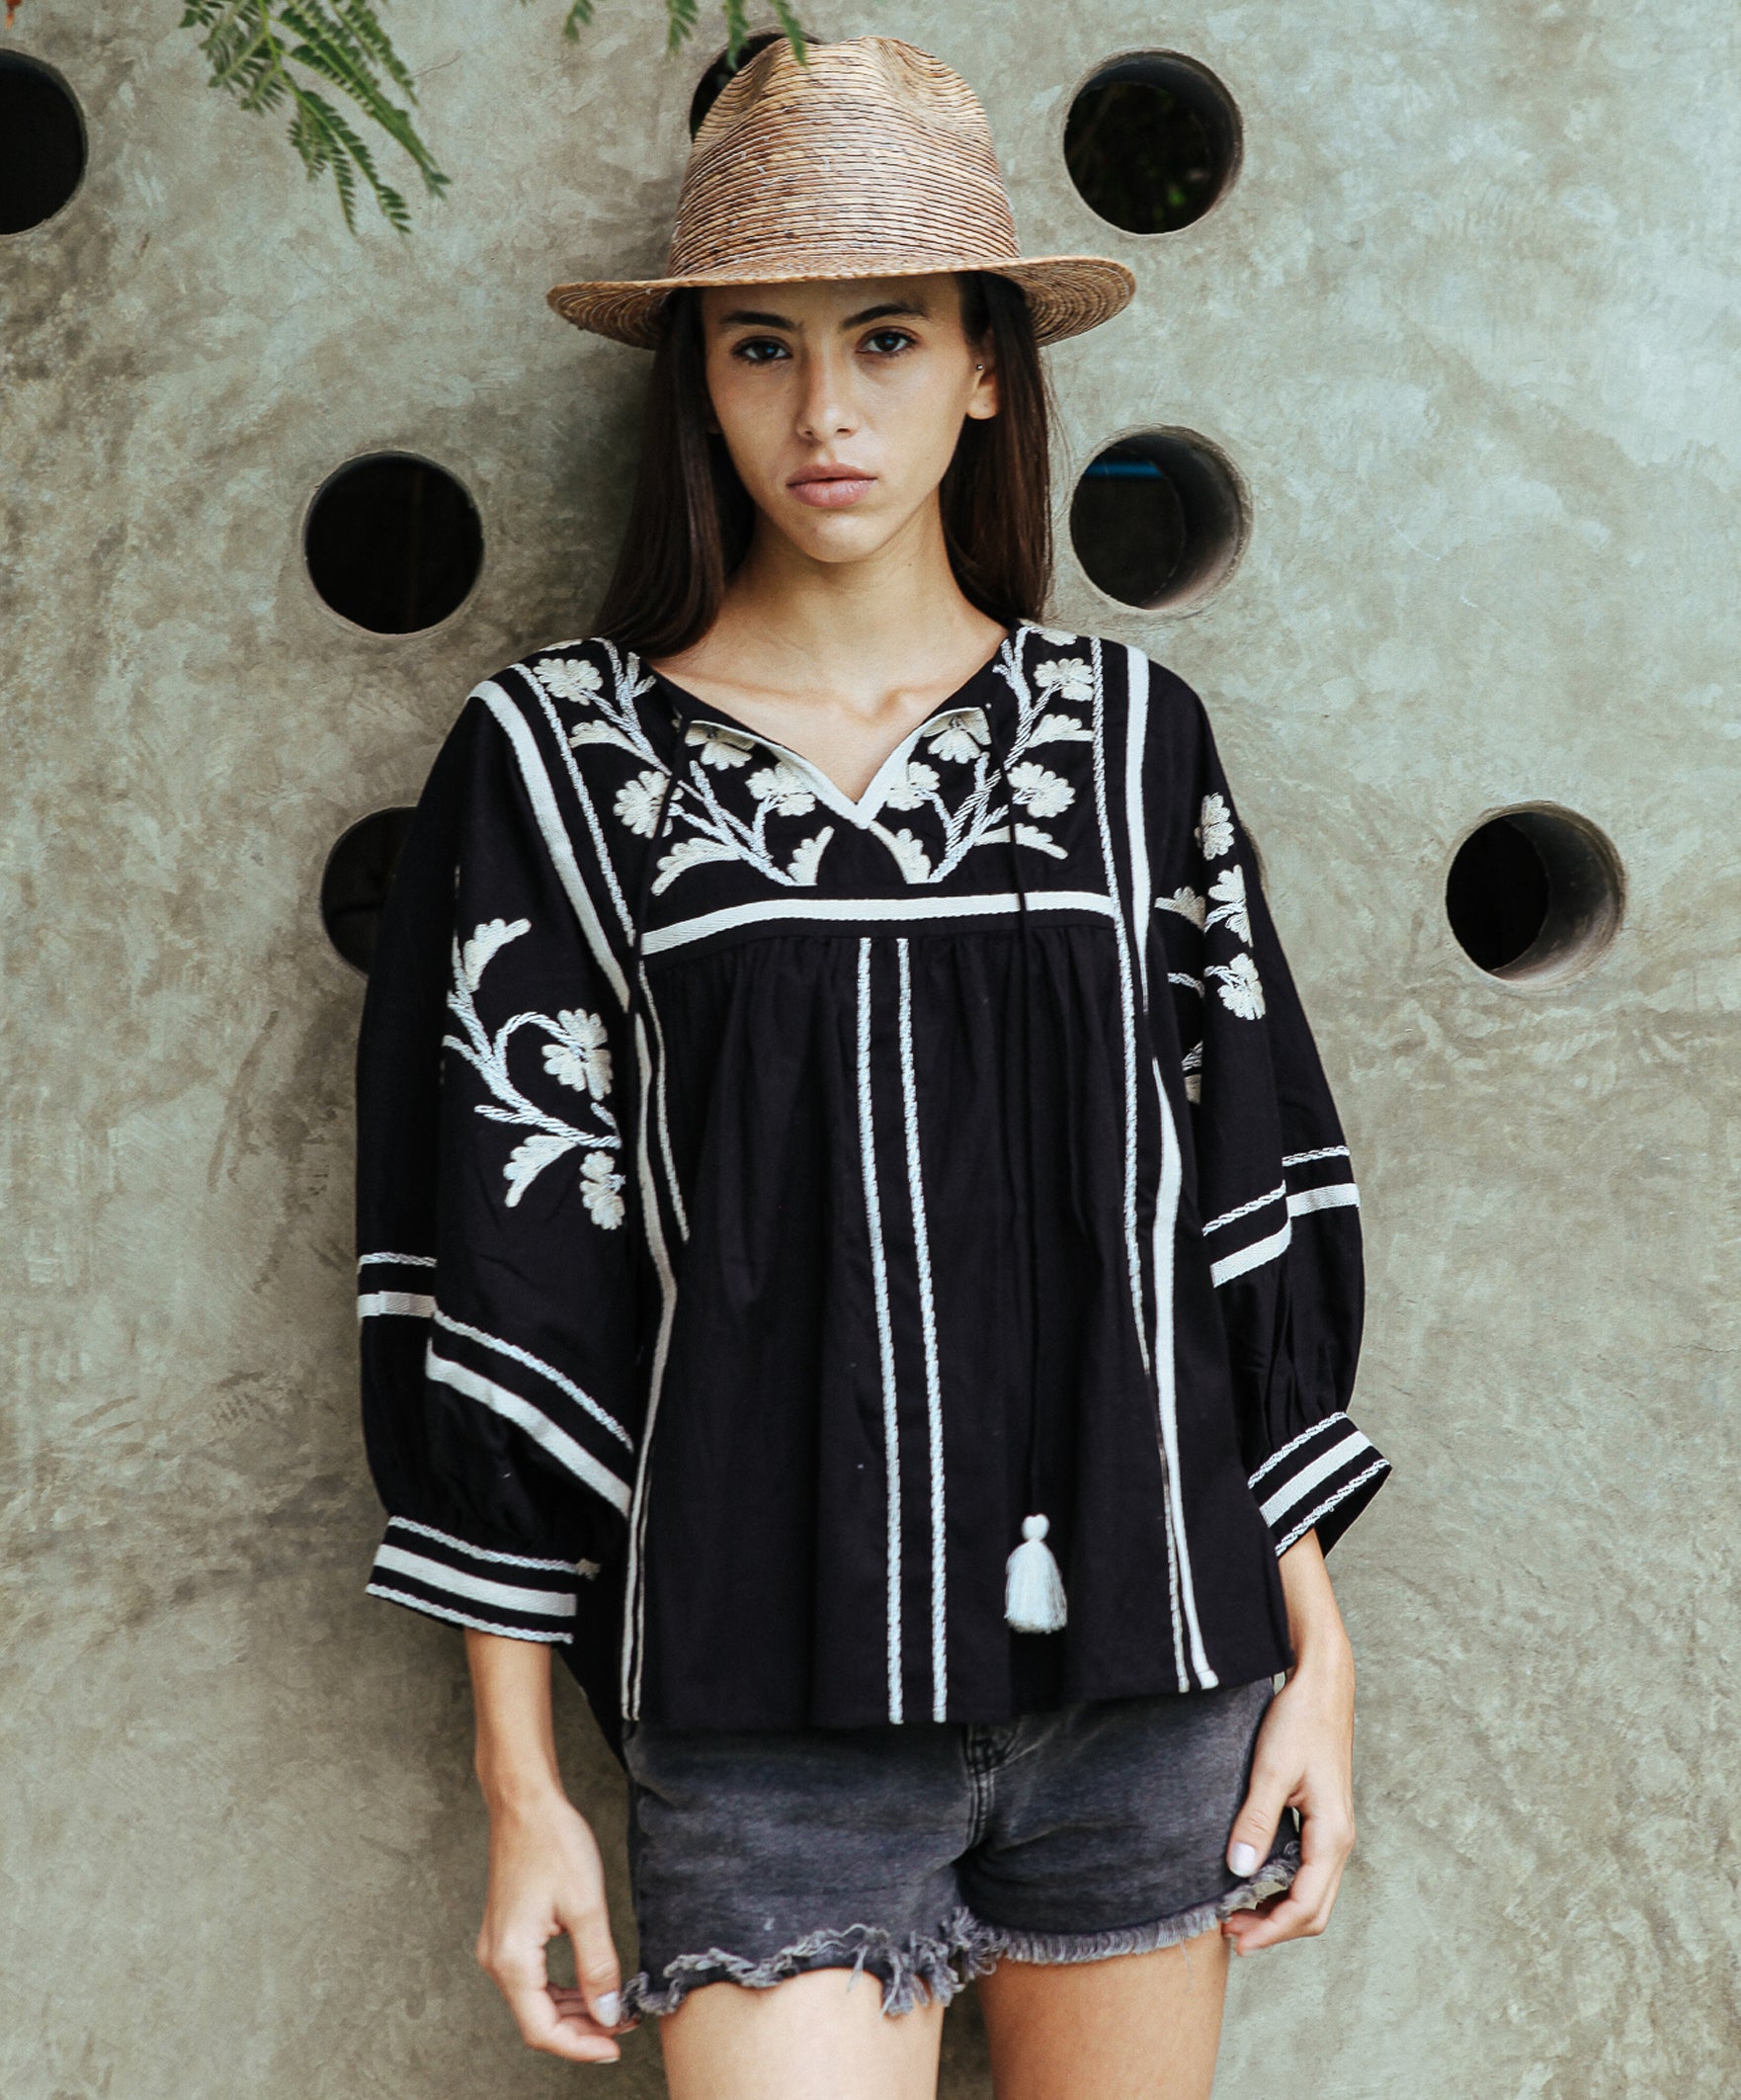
(855, 629)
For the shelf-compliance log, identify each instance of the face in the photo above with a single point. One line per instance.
(841, 403)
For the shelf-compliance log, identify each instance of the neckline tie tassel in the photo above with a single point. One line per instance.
(1033, 1590)
(1034, 1587)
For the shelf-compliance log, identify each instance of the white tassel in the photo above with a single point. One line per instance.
(1033, 1590)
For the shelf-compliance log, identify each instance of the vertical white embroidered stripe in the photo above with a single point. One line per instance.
(1126, 1002)
(1135, 736)
(556, 834)
(634, 1612)
(885, 1332)
(928, 1322)
(511, 1407)
(1166, 1216)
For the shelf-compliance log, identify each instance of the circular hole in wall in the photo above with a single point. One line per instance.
(724, 68)
(354, 882)
(393, 542)
(42, 143)
(1152, 142)
(1534, 893)
(1159, 520)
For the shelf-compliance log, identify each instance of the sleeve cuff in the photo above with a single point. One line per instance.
(1321, 1479)
(447, 1578)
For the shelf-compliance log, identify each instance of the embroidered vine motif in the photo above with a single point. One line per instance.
(577, 1055)
(1237, 981)
(1215, 831)
(955, 778)
(715, 832)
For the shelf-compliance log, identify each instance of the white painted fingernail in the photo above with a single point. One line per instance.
(1243, 1859)
(609, 2005)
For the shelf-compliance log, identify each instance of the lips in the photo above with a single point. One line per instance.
(830, 487)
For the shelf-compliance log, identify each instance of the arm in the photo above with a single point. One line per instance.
(1304, 1759)
(545, 1873)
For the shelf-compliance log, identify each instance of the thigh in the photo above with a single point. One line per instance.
(1128, 2027)
(821, 2036)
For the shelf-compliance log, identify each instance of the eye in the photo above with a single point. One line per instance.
(760, 349)
(888, 342)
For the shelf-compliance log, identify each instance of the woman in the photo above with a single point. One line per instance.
(872, 1273)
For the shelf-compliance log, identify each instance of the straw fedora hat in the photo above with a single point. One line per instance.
(872, 159)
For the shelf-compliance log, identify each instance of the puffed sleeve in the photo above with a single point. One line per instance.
(496, 1293)
(1273, 1180)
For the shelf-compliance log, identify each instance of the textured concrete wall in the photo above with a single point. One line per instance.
(1468, 324)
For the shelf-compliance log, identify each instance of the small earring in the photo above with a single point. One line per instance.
(979, 367)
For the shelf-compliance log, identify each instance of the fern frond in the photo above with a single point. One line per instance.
(737, 27)
(262, 53)
(789, 23)
(365, 24)
(681, 16)
(581, 11)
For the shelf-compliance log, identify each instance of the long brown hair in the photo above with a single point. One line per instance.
(689, 524)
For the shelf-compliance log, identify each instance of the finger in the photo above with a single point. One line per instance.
(521, 1978)
(1301, 1912)
(1254, 1828)
(597, 1970)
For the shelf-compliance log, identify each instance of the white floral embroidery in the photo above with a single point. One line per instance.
(1043, 793)
(1187, 903)
(781, 788)
(916, 785)
(1215, 834)
(804, 863)
(721, 747)
(580, 1057)
(688, 853)
(1066, 677)
(1228, 891)
(576, 1055)
(487, 941)
(564, 679)
(961, 737)
(638, 802)
(1241, 990)
(1059, 637)
(1060, 729)
(600, 1184)
(910, 855)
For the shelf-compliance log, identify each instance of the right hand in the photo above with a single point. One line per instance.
(546, 1878)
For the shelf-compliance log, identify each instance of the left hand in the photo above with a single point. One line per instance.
(1303, 1759)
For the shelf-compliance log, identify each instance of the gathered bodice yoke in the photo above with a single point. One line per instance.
(769, 1198)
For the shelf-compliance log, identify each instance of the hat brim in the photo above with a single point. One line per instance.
(1067, 294)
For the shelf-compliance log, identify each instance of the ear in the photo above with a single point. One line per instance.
(983, 401)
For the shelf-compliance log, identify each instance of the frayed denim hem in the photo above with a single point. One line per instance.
(922, 1968)
(913, 1972)
(984, 1945)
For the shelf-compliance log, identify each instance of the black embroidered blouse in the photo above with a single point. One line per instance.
(767, 1200)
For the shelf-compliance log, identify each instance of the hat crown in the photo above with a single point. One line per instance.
(872, 150)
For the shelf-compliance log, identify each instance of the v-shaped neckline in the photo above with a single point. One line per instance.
(862, 809)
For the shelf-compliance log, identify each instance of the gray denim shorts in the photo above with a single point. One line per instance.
(925, 1851)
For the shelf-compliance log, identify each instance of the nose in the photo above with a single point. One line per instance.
(825, 406)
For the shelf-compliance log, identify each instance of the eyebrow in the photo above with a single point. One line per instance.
(749, 317)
